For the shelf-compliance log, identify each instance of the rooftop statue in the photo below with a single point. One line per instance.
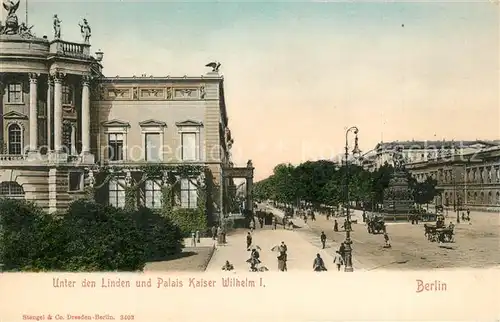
(11, 22)
(214, 65)
(25, 32)
(85, 31)
(57, 27)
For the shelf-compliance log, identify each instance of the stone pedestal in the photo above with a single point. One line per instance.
(398, 198)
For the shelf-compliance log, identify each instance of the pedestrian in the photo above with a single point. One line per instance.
(313, 216)
(214, 232)
(193, 239)
(252, 225)
(274, 223)
(386, 238)
(198, 237)
(335, 225)
(338, 260)
(342, 251)
(323, 239)
(261, 222)
(249, 240)
(282, 262)
(319, 264)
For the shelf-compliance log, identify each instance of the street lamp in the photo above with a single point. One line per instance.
(348, 242)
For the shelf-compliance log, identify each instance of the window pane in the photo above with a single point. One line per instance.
(152, 147)
(193, 198)
(189, 146)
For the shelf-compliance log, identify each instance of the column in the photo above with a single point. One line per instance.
(50, 87)
(73, 139)
(58, 112)
(33, 112)
(85, 115)
(249, 187)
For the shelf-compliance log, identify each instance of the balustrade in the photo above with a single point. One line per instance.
(71, 49)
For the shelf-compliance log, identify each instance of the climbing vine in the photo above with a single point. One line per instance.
(187, 219)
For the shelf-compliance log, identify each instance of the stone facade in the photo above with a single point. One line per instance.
(419, 151)
(60, 118)
(465, 181)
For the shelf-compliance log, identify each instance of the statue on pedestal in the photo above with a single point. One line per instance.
(57, 27)
(11, 22)
(85, 31)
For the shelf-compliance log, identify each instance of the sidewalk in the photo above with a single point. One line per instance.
(310, 237)
(301, 253)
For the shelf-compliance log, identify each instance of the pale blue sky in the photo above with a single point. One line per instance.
(298, 74)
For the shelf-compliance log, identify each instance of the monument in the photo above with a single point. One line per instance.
(398, 197)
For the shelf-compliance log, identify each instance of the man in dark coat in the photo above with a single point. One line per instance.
(319, 264)
(342, 251)
(249, 240)
(323, 239)
(335, 225)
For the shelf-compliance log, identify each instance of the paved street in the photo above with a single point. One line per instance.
(301, 251)
(477, 245)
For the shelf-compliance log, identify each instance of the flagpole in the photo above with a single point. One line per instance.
(26, 12)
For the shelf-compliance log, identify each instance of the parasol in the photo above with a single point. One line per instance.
(254, 246)
(276, 248)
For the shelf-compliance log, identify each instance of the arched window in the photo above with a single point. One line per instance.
(11, 189)
(15, 134)
(490, 198)
(482, 198)
(498, 197)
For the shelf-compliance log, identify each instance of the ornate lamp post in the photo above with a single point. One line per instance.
(348, 242)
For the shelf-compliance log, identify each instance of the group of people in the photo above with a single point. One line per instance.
(219, 234)
(254, 259)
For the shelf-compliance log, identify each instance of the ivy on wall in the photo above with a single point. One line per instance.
(188, 220)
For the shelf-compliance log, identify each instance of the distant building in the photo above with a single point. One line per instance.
(419, 151)
(470, 180)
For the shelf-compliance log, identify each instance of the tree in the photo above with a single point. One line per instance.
(424, 192)
(285, 183)
(29, 237)
(101, 238)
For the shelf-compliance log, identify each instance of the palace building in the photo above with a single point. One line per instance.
(467, 172)
(64, 124)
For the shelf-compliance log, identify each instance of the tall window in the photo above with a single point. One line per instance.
(189, 194)
(153, 194)
(153, 146)
(117, 193)
(115, 147)
(15, 139)
(67, 95)
(15, 93)
(189, 146)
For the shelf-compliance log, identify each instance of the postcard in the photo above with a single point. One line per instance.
(251, 161)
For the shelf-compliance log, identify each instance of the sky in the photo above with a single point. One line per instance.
(297, 74)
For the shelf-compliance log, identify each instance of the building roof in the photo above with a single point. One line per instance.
(433, 144)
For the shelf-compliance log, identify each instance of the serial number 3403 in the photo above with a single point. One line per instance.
(128, 317)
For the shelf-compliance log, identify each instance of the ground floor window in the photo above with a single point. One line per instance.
(189, 194)
(11, 189)
(153, 194)
(117, 193)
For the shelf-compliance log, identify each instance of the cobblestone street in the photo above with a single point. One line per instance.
(477, 245)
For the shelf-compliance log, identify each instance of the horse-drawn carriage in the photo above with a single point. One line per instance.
(375, 224)
(439, 232)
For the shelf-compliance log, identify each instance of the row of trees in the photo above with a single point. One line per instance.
(323, 182)
(87, 237)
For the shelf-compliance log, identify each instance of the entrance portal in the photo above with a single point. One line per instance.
(243, 173)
